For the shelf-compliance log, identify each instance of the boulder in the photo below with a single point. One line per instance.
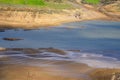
(2, 49)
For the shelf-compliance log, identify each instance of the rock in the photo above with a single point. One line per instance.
(74, 50)
(116, 76)
(53, 50)
(2, 49)
(2, 30)
(31, 51)
(12, 39)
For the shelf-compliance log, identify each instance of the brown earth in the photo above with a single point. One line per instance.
(11, 17)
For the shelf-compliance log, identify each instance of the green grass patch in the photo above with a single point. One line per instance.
(38, 3)
(23, 2)
(92, 1)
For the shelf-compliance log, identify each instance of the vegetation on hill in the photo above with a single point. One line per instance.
(56, 4)
(92, 1)
(99, 1)
(43, 2)
(24, 2)
(108, 1)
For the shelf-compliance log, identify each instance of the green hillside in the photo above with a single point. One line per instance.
(57, 4)
(92, 1)
(24, 2)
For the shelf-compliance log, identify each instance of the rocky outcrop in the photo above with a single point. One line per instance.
(2, 49)
(12, 39)
(35, 51)
(111, 10)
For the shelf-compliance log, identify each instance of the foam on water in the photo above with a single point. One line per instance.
(91, 59)
(96, 60)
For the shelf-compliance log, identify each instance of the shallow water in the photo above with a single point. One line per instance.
(88, 35)
(99, 42)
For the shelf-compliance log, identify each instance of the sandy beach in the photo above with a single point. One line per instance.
(55, 70)
(58, 71)
(23, 68)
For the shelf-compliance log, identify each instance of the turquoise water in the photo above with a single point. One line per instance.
(99, 41)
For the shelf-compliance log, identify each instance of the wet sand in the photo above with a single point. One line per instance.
(60, 71)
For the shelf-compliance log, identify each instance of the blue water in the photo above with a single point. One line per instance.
(86, 35)
(99, 41)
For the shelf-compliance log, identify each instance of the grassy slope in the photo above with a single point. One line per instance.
(37, 3)
(92, 1)
(24, 2)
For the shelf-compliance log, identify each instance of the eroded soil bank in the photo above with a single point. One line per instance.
(12, 17)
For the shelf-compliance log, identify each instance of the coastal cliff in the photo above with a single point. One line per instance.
(35, 18)
(55, 13)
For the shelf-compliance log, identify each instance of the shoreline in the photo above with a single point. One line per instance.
(22, 72)
(73, 71)
(13, 68)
